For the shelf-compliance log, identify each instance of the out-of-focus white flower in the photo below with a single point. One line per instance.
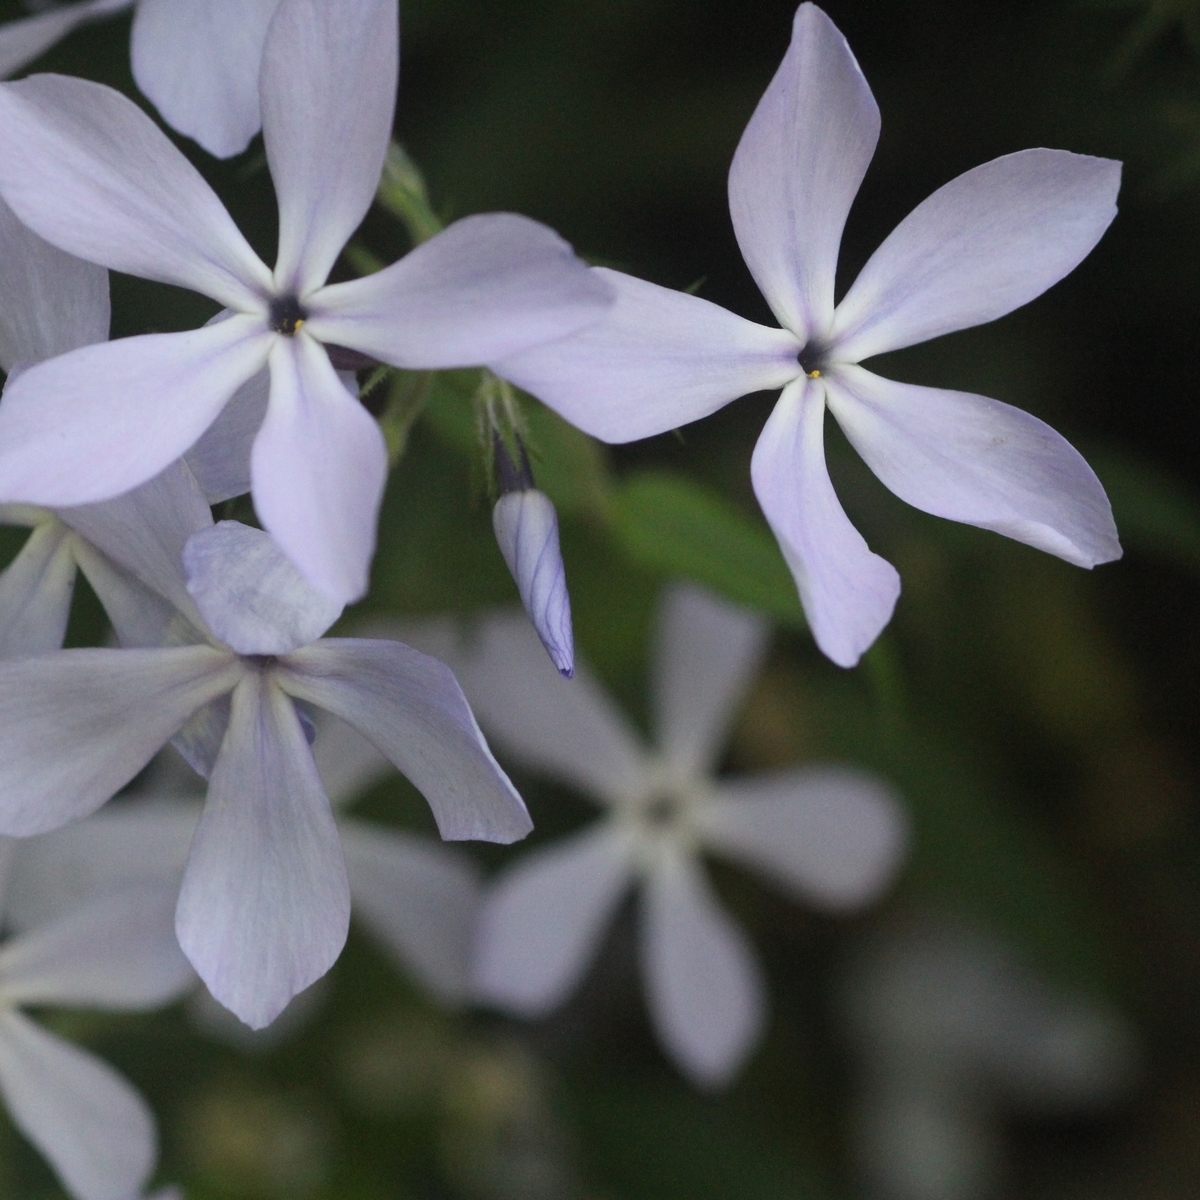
(949, 1032)
(830, 835)
(979, 247)
(86, 169)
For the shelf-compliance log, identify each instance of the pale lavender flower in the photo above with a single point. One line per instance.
(90, 172)
(117, 952)
(830, 835)
(265, 902)
(982, 245)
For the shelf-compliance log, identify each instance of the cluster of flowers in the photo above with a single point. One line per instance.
(114, 453)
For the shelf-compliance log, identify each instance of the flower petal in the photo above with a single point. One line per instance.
(347, 763)
(116, 951)
(265, 905)
(96, 422)
(220, 460)
(485, 287)
(77, 725)
(703, 983)
(976, 460)
(658, 360)
(250, 595)
(328, 92)
(705, 655)
(24, 40)
(96, 1131)
(419, 898)
(797, 170)
(200, 63)
(570, 730)
(140, 617)
(834, 835)
(982, 245)
(543, 918)
(84, 167)
(319, 465)
(411, 707)
(35, 592)
(53, 302)
(848, 593)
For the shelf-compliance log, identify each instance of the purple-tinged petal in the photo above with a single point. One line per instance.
(348, 764)
(542, 919)
(199, 741)
(328, 92)
(251, 596)
(834, 835)
(419, 899)
(140, 617)
(265, 905)
(977, 460)
(220, 460)
(319, 465)
(703, 983)
(200, 63)
(568, 729)
(847, 592)
(53, 302)
(982, 245)
(526, 528)
(35, 592)
(705, 654)
(116, 951)
(797, 170)
(24, 40)
(77, 725)
(84, 167)
(89, 1122)
(411, 707)
(96, 422)
(658, 360)
(485, 287)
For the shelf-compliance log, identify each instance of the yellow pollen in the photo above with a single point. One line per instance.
(815, 374)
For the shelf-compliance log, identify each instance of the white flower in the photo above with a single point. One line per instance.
(117, 952)
(265, 901)
(831, 835)
(986, 243)
(91, 173)
(197, 60)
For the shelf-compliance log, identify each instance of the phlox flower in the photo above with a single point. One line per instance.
(265, 902)
(982, 245)
(830, 835)
(86, 169)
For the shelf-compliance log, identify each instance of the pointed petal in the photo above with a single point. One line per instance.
(145, 531)
(543, 918)
(982, 245)
(24, 40)
(118, 951)
(797, 170)
(658, 360)
(220, 460)
(848, 593)
(88, 170)
(199, 63)
(328, 93)
(705, 655)
(568, 729)
(976, 460)
(347, 763)
(77, 725)
(35, 592)
(485, 287)
(96, 422)
(91, 1125)
(419, 898)
(703, 983)
(319, 465)
(834, 835)
(265, 905)
(250, 595)
(526, 527)
(411, 707)
(53, 302)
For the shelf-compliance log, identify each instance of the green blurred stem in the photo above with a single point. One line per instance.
(882, 667)
(407, 395)
(402, 192)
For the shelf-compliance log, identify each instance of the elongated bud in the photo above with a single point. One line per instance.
(526, 528)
